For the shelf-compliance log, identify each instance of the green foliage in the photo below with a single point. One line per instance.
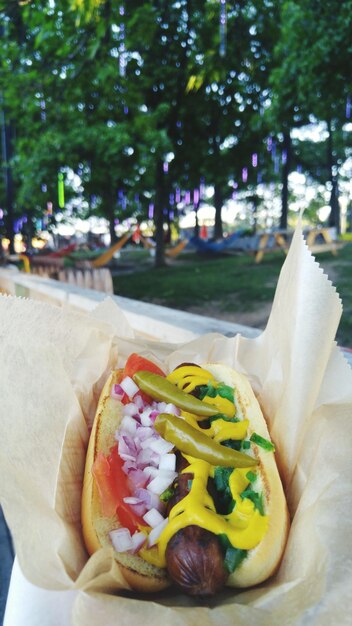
(107, 91)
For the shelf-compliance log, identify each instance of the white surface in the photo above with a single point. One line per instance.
(28, 605)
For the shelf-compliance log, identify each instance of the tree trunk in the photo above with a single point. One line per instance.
(110, 212)
(334, 217)
(7, 133)
(349, 218)
(159, 215)
(196, 224)
(255, 214)
(286, 167)
(218, 202)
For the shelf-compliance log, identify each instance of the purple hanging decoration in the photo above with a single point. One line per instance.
(244, 174)
(348, 107)
(122, 199)
(172, 199)
(187, 197)
(151, 211)
(44, 188)
(299, 168)
(196, 198)
(116, 221)
(235, 185)
(259, 177)
(178, 195)
(1, 214)
(269, 144)
(223, 26)
(125, 109)
(179, 124)
(122, 47)
(234, 195)
(276, 165)
(43, 110)
(273, 151)
(284, 157)
(172, 215)
(165, 167)
(254, 159)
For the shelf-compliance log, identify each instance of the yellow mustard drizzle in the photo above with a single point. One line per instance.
(188, 377)
(244, 526)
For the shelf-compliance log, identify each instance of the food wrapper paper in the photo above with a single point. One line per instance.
(53, 365)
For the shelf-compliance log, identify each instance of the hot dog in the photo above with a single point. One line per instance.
(181, 480)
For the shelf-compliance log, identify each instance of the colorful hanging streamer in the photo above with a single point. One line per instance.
(122, 46)
(223, 28)
(61, 190)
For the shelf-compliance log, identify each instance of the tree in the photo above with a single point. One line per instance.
(313, 79)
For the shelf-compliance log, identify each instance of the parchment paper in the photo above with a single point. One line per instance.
(53, 365)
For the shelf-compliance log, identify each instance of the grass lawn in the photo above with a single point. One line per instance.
(222, 286)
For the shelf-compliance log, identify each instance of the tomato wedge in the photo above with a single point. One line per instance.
(136, 363)
(112, 485)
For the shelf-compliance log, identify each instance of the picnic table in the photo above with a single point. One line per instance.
(318, 240)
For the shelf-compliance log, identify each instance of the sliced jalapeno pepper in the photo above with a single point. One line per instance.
(158, 388)
(191, 441)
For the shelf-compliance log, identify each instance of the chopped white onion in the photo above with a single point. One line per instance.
(172, 408)
(156, 532)
(161, 446)
(162, 481)
(151, 471)
(168, 462)
(117, 392)
(129, 386)
(137, 478)
(131, 500)
(145, 432)
(153, 518)
(128, 425)
(131, 409)
(138, 540)
(138, 400)
(138, 506)
(121, 539)
(147, 457)
(145, 417)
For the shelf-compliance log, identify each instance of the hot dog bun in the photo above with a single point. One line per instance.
(139, 575)
(260, 563)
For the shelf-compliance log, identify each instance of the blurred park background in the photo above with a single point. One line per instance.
(161, 124)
